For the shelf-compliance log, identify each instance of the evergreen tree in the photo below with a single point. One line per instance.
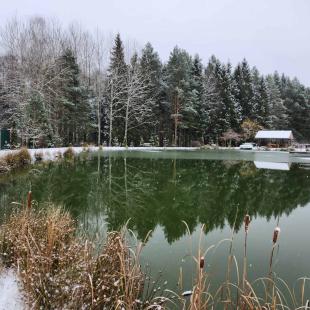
(178, 79)
(197, 124)
(263, 104)
(232, 115)
(260, 101)
(278, 112)
(151, 69)
(297, 103)
(74, 109)
(245, 89)
(211, 102)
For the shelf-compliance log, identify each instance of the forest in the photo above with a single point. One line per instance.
(63, 86)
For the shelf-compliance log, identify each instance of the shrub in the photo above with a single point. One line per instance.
(4, 166)
(18, 159)
(69, 153)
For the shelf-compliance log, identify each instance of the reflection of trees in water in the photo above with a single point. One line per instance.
(164, 192)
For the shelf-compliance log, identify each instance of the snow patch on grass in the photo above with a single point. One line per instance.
(11, 297)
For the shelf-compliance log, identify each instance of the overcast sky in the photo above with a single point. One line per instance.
(271, 34)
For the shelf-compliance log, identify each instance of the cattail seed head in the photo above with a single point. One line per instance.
(202, 262)
(247, 221)
(29, 200)
(276, 233)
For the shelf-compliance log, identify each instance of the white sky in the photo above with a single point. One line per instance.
(271, 34)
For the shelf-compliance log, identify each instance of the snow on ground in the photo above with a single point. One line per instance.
(52, 153)
(11, 297)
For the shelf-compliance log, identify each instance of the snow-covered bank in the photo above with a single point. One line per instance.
(11, 297)
(52, 153)
(222, 153)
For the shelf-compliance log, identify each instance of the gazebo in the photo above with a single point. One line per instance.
(275, 138)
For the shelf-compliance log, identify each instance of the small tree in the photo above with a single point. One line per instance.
(230, 135)
(250, 128)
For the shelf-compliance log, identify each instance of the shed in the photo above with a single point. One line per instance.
(275, 138)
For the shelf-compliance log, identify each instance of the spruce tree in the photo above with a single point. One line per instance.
(197, 124)
(278, 112)
(151, 69)
(245, 89)
(178, 79)
(74, 109)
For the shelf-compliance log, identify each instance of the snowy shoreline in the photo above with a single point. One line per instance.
(52, 153)
(226, 153)
(11, 296)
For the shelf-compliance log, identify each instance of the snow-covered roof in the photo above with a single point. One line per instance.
(274, 134)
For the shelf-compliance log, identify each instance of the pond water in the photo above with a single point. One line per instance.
(159, 191)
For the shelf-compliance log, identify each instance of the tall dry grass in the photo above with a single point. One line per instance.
(60, 270)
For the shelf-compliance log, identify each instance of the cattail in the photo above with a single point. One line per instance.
(29, 200)
(247, 221)
(276, 233)
(202, 262)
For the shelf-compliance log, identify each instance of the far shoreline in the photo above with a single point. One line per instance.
(218, 153)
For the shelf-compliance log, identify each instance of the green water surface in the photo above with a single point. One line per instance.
(160, 191)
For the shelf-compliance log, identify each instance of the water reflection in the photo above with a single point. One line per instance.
(164, 192)
(272, 166)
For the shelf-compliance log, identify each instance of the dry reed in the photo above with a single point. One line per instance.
(59, 270)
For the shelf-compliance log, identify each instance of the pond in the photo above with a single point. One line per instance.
(161, 191)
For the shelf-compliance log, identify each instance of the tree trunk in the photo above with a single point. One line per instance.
(126, 123)
(99, 122)
(111, 116)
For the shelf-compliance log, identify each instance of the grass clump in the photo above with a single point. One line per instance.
(60, 270)
(15, 160)
(69, 154)
(4, 166)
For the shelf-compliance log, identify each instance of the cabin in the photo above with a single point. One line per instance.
(274, 138)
